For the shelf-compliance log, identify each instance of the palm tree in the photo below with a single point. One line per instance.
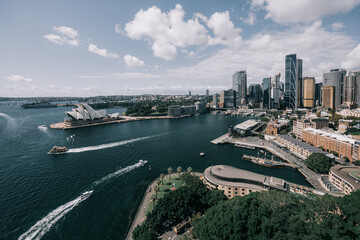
(179, 170)
(162, 178)
(156, 190)
(189, 170)
(153, 198)
(158, 181)
(170, 171)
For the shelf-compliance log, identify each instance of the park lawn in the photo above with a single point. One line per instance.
(178, 182)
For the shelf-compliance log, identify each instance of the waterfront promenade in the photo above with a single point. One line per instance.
(123, 119)
(312, 177)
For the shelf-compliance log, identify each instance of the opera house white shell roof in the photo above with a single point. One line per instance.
(84, 112)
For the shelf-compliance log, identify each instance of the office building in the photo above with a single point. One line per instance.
(271, 92)
(328, 96)
(329, 141)
(318, 94)
(215, 101)
(237, 182)
(335, 78)
(227, 99)
(239, 84)
(352, 88)
(345, 178)
(255, 92)
(189, 93)
(207, 92)
(293, 81)
(309, 92)
(301, 124)
(174, 111)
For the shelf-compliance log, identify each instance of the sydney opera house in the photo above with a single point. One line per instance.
(83, 113)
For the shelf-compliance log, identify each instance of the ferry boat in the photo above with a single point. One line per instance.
(202, 154)
(86, 195)
(58, 150)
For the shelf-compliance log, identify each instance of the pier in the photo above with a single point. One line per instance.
(268, 162)
(221, 140)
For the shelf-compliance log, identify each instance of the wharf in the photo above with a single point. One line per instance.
(269, 163)
(221, 140)
(123, 119)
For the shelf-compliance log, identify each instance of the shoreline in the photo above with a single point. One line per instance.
(141, 211)
(124, 119)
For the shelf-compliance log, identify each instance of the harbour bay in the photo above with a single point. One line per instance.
(33, 183)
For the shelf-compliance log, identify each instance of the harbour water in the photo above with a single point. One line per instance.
(40, 193)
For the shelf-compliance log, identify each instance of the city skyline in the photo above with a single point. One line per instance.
(54, 49)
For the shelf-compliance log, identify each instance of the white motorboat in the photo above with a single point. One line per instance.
(86, 194)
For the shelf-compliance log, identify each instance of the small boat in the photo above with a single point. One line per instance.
(58, 150)
(142, 162)
(202, 154)
(149, 167)
(86, 195)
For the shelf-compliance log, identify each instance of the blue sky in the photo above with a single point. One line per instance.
(90, 48)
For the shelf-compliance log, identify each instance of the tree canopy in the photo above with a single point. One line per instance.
(318, 162)
(278, 215)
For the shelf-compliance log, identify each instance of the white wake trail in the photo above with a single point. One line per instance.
(43, 128)
(10, 120)
(42, 226)
(106, 145)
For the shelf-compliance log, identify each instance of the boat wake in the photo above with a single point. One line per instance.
(107, 145)
(43, 128)
(42, 226)
(10, 120)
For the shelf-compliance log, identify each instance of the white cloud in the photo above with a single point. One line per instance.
(101, 51)
(224, 29)
(166, 31)
(132, 61)
(118, 29)
(18, 78)
(285, 11)
(67, 36)
(352, 61)
(250, 20)
(336, 26)
(67, 31)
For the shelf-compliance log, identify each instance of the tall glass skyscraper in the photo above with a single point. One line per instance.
(266, 93)
(335, 78)
(293, 78)
(239, 84)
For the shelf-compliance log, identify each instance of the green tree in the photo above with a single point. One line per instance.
(189, 170)
(158, 181)
(318, 162)
(357, 163)
(162, 178)
(179, 169)
(153, 198)
(156, 190)
(170, 170)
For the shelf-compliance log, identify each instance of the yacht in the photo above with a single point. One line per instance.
(86, 195)
(58, 150)
(202, 154)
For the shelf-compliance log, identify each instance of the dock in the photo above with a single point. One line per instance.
(244, 146)
(221, 140)
(269, 163)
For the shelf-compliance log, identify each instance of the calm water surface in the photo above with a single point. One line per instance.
(39, 194)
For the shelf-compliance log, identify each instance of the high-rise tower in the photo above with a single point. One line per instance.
(239, 84)
(293, 78)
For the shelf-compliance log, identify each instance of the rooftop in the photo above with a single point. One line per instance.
(303, 145)
(246, 125)
(331, 135)
(348, 173)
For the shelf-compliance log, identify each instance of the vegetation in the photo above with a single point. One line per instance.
(154, 108)
(170, 170)
(278, 215)
(318, 162)
(335, 118)
(335, 153)
(352, 131)
(357, 163)
(264, 119)
(176, 205)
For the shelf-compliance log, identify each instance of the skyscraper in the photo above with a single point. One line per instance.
(255, 92)
(328, 96)
(266, 93)
(351, 88)
(293, 78)
(227, 99)
(335, 78)
(239, 84)
(318, 94)
(207, 92)
(309, 92)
